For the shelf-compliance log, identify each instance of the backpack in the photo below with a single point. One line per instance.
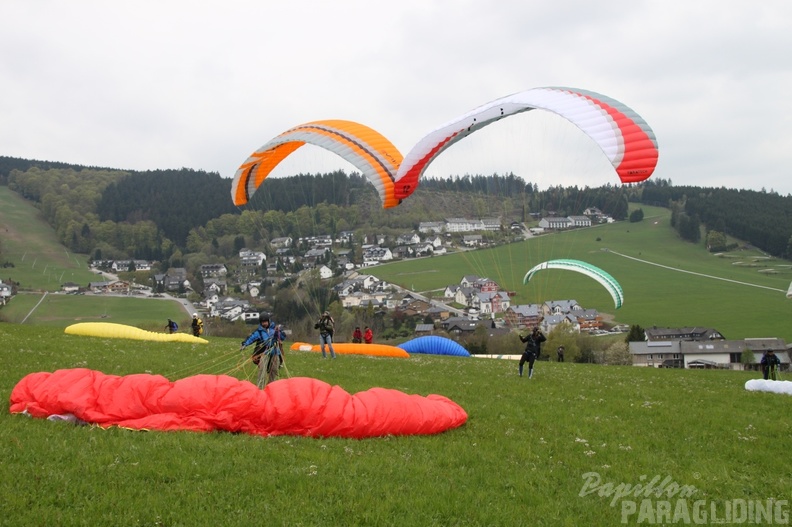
(326, 325)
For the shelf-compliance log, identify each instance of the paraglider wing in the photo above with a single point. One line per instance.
(122, 331)
(347, 348)
(762, 385)
(587, 269)
(299, 406)
(434, 345)
(366, 149)
(623, 136)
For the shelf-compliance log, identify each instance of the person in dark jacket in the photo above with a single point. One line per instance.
(770, 364)
(171, 326)
(326, 327)
(533, 348)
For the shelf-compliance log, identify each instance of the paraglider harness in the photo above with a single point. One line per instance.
(271, 346)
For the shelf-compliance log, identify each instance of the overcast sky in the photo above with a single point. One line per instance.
(169, 84)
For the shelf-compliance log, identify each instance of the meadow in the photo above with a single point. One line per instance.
(39, 261)
(529, 454)
(61, 310)
(666, 282)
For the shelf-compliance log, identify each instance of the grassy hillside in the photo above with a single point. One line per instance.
(666, 282)
(523, 458)
(61, 310)
(39, 261)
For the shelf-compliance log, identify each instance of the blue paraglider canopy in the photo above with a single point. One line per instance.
(434, 345)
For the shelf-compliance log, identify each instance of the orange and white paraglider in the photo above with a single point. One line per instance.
(365, 148)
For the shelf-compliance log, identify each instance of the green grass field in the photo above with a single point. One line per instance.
(40, 261)
(525, 456)
(61, 310)
(742, 294)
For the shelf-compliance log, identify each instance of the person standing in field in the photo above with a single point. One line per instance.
(268, 341)
(533, 348)
(171, 326)
(197, 325)
(368, 336)
(770, 364)
(560, 353)
(326, 327)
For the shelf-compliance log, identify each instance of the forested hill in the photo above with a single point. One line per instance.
(763, 219)
(152, 214)
(175, 200)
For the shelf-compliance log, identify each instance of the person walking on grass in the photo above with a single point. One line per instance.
(560, 353)
(533, 348)
(326, 327)
(171, 326)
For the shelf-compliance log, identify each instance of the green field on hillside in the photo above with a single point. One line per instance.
(666, 282)
(528, 454)
(61, 310)
(39, 261)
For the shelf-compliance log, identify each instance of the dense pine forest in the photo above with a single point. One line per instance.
(167, 214)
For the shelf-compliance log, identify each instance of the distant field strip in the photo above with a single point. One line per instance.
(697, 274)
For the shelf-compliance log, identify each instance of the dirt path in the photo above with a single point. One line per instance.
(34, 307)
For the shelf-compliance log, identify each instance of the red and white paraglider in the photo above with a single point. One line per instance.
(623, 136)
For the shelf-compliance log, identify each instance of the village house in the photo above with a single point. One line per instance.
(281, 242)
(550, 322)
(588, 319)
(408, 239)
(6, 292)
(560, 307)
(722, 354)
(70, 287)
(555, 223)
(580, 221)
(121, 266)
(325, 272)
(375, 254)
(216, 270)
(471, 240)
(523, 316)
(429, 227)
(250, 259)
(403, 251)
(490, 224)
(685, 333)
(422, 330)
(459, 326)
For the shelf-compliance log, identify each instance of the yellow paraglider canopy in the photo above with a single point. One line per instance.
(122, 331)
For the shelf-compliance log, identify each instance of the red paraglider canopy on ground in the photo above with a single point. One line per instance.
(298, 406)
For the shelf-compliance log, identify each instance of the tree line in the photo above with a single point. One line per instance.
(188, 214)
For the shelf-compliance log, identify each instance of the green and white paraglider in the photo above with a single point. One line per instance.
(587, 269)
